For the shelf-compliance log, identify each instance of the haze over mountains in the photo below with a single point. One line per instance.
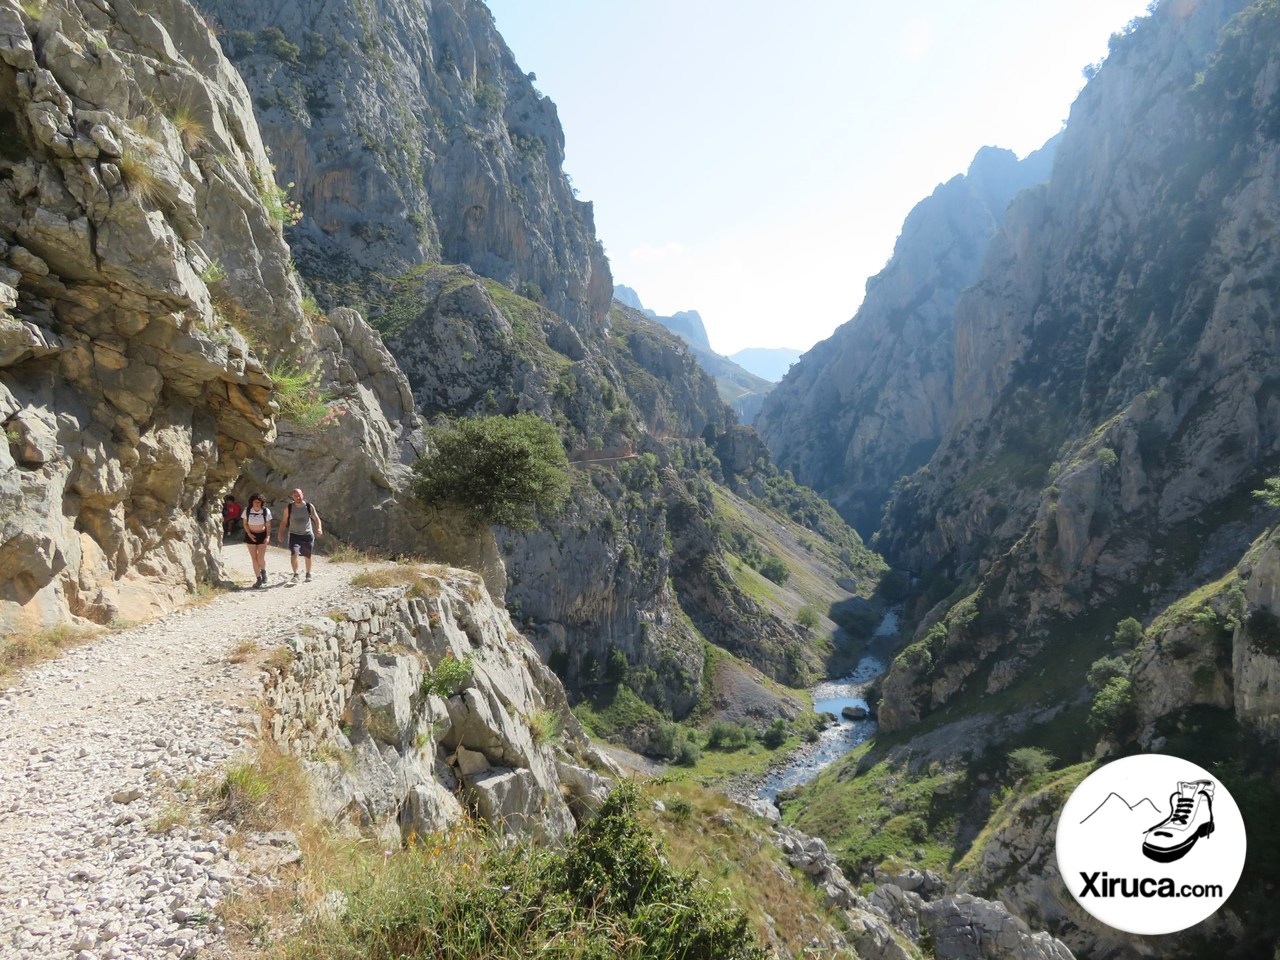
(740, 388)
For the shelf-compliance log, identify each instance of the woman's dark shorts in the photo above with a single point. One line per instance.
(257, 539)
(300, 544)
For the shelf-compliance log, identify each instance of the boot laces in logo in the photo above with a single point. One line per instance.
(1144, 865)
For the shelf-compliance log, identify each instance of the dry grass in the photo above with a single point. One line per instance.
(418, 579)
(139, 172)
(244, 650)
(174, 814)
(18, 650)
(205, 594)
(341, 552)
(545, 726)
(280, 660)
(384, 577)
(190, 127)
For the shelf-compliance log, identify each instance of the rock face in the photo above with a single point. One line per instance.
(908, 906)
(1114, 365)
(870, 404)
(434, 705)
(412, 136)
(141, 278)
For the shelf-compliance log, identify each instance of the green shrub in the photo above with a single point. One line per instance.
(808, 617)
(726, 735)
(775, 569)
(1270, 492)
(274, 40)
(680, 808)
(609, 892)
(449, 674)
(1113, 711)
(499, 470)
(688, 754)
(1128, 633)
(1030, 762)
(775, 735)
(1105, 669)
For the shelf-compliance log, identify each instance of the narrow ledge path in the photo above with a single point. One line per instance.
(94, 745)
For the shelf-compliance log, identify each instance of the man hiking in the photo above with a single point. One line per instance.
(303, 523)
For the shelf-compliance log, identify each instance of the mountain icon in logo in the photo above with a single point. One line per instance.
(1116, 809)
(1190, 818)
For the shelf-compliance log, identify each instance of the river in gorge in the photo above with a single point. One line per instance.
(832, 696)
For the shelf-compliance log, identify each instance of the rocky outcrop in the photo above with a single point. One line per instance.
(1115, 366)
(142, 278)
(871, 403)
(423, 703)
(411, 136)
(908, 906)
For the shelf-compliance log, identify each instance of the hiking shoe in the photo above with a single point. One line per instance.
(1190, 818)
(262, 577)
(295, 576)
(308, 578)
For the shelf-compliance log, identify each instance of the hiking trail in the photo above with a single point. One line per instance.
(100, 748)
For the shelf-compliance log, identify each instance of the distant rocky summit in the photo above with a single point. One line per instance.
(871, 403)
(741, 389)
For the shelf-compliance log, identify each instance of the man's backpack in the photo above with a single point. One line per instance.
(288, 513)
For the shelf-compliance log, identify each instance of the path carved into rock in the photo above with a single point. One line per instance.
(95, 748)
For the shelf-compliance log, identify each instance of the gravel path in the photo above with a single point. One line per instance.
(95, 748)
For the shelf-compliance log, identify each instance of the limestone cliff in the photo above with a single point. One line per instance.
(142, 281)
(1114, 366)
(870, 404)
(412, 136)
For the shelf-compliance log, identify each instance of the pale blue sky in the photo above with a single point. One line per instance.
(754, 161)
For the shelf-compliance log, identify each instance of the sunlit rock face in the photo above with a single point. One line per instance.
(140, 276)
(411, 136)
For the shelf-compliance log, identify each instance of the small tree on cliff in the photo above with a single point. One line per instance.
(496, 469)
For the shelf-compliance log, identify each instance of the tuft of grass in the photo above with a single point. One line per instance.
(342, 552)
(280, 660)
(33, 8)
(140, 174)
(243, 651)
(299, 394)
(25, 648)
(411, 575)
(172, 815)
(545, 726)
(189, 126)
(264, 791)
(213, 273)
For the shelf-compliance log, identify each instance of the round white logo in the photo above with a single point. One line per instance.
(1150, 844)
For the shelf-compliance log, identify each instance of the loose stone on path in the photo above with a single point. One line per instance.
(100, 748)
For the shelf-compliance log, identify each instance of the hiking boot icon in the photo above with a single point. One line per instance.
(1190, 818)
